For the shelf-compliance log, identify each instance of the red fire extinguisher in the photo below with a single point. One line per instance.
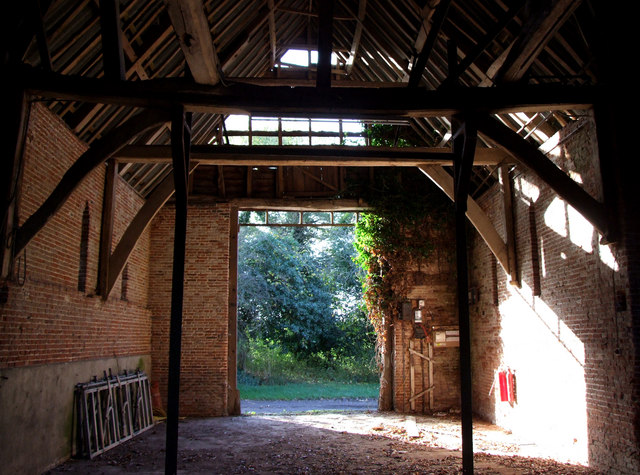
(507, 381)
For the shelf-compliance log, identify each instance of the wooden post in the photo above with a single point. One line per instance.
(510, 225)
(464, 148)
(325, 34)
(112, 53)
(180, 142)
(233, 396)
(106, 229)
(17, 109)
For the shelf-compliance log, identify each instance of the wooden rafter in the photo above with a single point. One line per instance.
(544, 21)
(532, 158)
(357, 34)
(192, 29)
(272, 32)
(434, 30)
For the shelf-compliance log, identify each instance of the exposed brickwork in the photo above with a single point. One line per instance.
(435, 284)
(569, 347)
(47, 319)
(203, 382)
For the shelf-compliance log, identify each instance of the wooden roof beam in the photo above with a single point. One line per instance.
(423, 56)
(192, 29)
(545, 19)
(357, 34)
(270, 155)
(532, 158)
(308, 102)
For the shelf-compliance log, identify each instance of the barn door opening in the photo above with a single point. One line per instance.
(302, 332)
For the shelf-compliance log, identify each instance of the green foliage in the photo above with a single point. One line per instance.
(407, 213)
(267, 363)
(299, 305)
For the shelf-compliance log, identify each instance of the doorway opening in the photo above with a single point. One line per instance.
(302, 331)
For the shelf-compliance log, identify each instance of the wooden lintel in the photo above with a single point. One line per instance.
(192, 29)
(106, 228)
(533, 159)
(112, 53)
(475, 214)
(343, 205)
(99, 151)
(295, 155)
(307, 101)
(139, 223)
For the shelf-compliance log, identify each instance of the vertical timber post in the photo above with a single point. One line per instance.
(180, 149)
(233, 396)
(464, 149)
(17, 112)
(106, 228)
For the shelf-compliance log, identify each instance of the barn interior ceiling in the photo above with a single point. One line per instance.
(266, 58)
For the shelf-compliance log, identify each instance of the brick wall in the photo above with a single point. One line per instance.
(566, 333)
(434, 282)
(53, 335)
(46, 319)
(203, 382)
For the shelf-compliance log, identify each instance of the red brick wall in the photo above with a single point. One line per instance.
(47, 319)
(570, 348)
(434, 282)
(203, 382)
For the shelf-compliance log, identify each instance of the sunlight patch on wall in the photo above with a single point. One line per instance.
(548, 359)
(580, 230)
(555, 217)
(607, 257)
(527, 189)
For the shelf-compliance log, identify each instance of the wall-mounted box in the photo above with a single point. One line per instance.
(445, 338)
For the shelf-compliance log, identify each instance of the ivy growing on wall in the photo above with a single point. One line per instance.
(397, 234)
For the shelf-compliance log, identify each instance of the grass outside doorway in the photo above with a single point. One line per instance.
(320, 390)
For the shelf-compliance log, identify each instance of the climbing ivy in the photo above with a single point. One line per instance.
(397, 233)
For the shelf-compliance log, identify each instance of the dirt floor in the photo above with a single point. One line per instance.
(321, 442)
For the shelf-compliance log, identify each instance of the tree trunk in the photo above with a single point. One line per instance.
(385, 402)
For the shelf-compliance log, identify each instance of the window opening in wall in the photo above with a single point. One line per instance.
(84, 249)
(302, 333)
(258, 130)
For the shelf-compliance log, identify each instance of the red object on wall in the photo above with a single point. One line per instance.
(504, 391)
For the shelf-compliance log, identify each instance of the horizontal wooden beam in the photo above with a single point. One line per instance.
(319, 155)
(475, 214)
(259, 204)
(306, 101)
